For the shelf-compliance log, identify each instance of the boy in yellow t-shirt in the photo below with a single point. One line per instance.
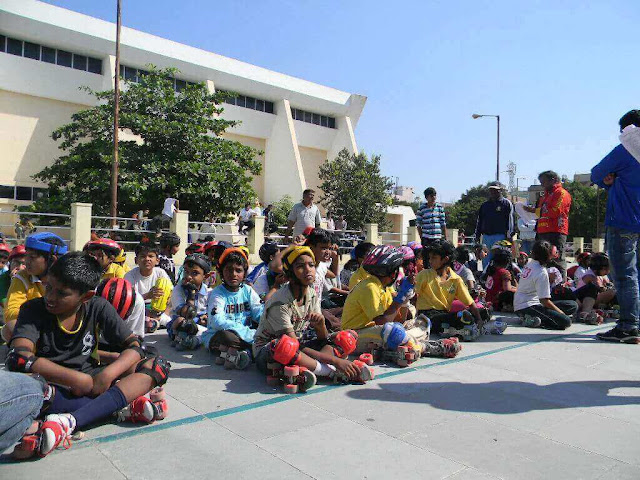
(375, 313)
(437, 288)
(105, 251)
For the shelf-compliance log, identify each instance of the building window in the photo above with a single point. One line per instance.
(249, 102)
(63, 58)
(23, 193)
(7, 192)
(314, 118)
(135, 75)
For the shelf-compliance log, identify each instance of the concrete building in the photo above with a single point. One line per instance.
(47, 52)
(404, 194)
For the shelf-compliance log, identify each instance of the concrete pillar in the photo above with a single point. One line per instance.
(80, 225)
(255, 237)
(597, 245)
(452, 236)
(578, 244)
(412, 234)
(323, 224)
(180, 225)
(371, 233)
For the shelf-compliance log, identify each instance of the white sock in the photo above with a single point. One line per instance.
(323, 369)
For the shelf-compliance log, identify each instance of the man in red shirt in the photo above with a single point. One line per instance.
(553, 215)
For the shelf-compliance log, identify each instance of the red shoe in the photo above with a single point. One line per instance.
(54, 432)
(158, 398)
(141, 410)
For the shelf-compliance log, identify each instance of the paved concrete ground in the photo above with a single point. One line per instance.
(529, 404)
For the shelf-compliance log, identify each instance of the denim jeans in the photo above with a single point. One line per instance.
(20, 403)
(551, 319)
(489, 240)
(624, 257)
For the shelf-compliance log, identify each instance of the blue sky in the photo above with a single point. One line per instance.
(559, 73)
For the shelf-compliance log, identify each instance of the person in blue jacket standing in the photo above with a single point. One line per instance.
(619, 174)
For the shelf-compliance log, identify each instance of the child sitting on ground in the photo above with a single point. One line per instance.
(437, 288)
(56, 338)
(480, 252)
(169, 246)
(5, 251)
(272, 279)
(267, 252)
(501, 286)
(461, 269)
(144, 278)
(532, 300)
(292, 318)
(583, 261)
(376, 315)
(121, 260)
(214, 250)
(595, 289)
(129, 305)
(234, 310)
(16, 262)
(360, 252)
(189, 303)
(42, 250)
(523, 259)
(105, 251)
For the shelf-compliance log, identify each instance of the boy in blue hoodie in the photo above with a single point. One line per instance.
(234, 311)
(619, 174)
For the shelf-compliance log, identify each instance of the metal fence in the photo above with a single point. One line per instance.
(33, 222)
(127, 232)
(207, 231)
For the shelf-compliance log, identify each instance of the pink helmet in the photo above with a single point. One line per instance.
(407, 253)
(415, 246)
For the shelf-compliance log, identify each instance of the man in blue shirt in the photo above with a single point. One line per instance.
(495, 220)
(619, 174)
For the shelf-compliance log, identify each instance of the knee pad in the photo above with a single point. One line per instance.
(20, 359)
(189, 327)
(393, 335)
(344, 343)
(285, 351)
(159, 370)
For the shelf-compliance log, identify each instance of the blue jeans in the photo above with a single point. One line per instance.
(624, 257)
(489, 240)
(21, 399)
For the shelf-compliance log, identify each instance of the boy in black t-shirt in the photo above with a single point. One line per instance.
(57, 338)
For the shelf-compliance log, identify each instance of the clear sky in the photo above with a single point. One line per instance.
(559, 73)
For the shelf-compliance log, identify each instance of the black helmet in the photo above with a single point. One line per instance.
(266, 250)
(383, 260)
(169, 239)
(200, 260)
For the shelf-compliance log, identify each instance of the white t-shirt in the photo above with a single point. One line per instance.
(135, 321)
(169, 207)
(533, 285)
(144, 284)
(303, 217)
(321, 274)
(246, 214)
(579, 273)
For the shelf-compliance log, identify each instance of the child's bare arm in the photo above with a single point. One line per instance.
(475, 312)
(125, 361)
(389, 315)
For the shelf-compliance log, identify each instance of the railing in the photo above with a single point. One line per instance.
(22, 228)
(215, 231)
(122, 229)
(393, 238)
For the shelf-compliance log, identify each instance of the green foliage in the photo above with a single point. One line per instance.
(354, 187)
(281, 210)
(464, 213)
(414, 205)
(584, 215)
(179, 153)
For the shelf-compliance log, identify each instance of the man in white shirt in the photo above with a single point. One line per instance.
(304, 214)
(245, 218)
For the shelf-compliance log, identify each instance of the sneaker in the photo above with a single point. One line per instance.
(618, 335)
(447, 348)
(494, 327)
(531, 321)
(141, 410)
(55, 431)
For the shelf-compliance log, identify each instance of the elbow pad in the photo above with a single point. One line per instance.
(20, 359)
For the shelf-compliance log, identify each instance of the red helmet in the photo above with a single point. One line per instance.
(209, 245)
(307, 231)
(5, 248)
(18, 251)
(195, 248)
(105, 244)
(383, 260)
(119, 293)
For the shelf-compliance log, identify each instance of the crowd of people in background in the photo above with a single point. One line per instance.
(78, 323)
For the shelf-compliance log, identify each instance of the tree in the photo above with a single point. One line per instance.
(281, 210)
(177, 152)
(464, 213)
(353, 186)
(586, 216)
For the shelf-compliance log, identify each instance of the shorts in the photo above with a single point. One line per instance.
(261, 359)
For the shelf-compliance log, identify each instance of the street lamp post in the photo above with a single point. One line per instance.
(497, 117)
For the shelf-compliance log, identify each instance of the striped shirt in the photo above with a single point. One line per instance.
(431, 220)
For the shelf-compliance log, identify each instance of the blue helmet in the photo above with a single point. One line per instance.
(39, 241)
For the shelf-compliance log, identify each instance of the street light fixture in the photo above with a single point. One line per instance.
(497, 117)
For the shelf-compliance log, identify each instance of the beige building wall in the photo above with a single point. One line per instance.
(26, 124)
(258, 144)
(312, 158)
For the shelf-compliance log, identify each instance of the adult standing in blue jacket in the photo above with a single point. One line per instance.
(495, 220)
(619, 174)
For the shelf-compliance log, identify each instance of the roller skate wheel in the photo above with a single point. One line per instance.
(273, 366)
(291, 371)
(273, 381)
(359, 363)
(308, 380)
(290, 388)
(366, 358)
(229, 365)
(219, 361)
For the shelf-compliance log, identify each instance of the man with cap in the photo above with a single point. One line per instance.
(495, 219)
